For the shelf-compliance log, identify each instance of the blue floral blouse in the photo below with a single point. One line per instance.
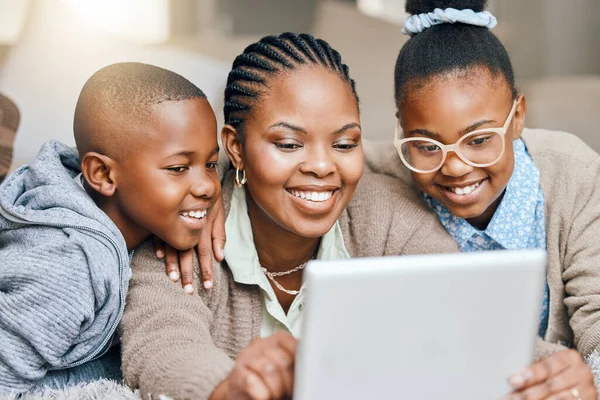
(518, 223)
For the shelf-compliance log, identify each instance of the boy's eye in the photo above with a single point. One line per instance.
(211, 165)
(178, 168)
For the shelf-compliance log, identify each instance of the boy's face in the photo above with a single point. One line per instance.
(167, 184)
(446, 108)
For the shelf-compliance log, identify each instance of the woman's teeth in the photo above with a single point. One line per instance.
(195, 214)
(313, 196)
(465, 189)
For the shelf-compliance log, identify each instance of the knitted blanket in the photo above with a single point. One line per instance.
(105, 389)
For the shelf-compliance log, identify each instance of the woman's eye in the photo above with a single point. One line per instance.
(288, 146)
(178, 169)
(345, 146)
(211, 165)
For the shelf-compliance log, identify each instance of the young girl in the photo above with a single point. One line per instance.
(495, 185)
(294, 137)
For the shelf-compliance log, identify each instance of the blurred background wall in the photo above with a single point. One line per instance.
(48, 48)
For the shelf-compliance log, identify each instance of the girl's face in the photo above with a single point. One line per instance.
(447, 107)
(303, 152)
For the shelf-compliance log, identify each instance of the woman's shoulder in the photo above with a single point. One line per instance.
(386, 216)
(147, 267)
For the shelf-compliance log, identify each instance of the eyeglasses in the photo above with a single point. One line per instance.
(480, 148)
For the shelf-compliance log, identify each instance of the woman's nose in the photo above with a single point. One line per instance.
(319, 162)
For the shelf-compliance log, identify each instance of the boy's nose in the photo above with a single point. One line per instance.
(205, 185)
(454, 166)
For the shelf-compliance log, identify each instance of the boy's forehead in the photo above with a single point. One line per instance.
(185, 125)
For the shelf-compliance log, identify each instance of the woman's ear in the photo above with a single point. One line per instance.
(519, 117)
(99, 173)
(233, 147)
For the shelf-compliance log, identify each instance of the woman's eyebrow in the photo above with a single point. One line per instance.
(282, 124)
(346, 127)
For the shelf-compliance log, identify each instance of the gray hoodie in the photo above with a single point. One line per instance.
(64, 270)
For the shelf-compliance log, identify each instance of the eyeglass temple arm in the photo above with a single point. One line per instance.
(397, 131)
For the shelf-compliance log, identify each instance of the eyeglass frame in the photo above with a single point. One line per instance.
(456, 146)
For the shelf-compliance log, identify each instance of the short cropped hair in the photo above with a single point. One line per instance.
(121, 94)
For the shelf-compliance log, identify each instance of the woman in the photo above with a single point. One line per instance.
(293, 134)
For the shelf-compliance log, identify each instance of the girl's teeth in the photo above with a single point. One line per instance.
(465, 190)
(313, 196)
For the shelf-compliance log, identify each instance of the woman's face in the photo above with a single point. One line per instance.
(446, 108)
(303, 152)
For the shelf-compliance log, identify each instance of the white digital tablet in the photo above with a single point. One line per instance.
(451, 326)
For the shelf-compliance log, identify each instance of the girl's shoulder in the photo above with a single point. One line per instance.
(569, 169)
(558, 150)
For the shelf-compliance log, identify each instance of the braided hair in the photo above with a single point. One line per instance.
(449, 48)
(268, 58)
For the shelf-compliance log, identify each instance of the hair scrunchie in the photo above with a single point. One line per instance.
(417, 23)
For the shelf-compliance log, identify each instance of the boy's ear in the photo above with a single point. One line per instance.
(232, 145)
(519, 117)
(99, 173)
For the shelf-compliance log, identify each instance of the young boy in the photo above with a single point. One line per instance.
(145, 165)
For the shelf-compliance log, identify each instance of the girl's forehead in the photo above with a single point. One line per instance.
(458, 92)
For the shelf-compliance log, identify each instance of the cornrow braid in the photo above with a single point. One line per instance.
(267, 58)
(299, 43)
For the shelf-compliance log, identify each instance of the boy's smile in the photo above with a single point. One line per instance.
(167, 186)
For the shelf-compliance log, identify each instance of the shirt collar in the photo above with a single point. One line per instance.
(240, 252)
(521, 200)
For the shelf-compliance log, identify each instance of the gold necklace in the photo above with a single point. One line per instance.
(272, 275)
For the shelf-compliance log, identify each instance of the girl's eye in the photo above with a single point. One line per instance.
(479, 141)
(428, 148)
(288, 146)
(211, 165)
(178, 169)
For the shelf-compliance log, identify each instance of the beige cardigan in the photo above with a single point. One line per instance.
(183, 346)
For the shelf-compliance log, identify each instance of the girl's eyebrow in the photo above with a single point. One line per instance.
(424, 132)
(476, 125)
(468, 129)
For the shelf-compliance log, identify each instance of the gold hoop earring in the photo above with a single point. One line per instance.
(240, 182)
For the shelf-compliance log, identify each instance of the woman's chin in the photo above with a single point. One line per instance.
(311, 228)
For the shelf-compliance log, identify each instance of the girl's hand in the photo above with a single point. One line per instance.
(561, 376)
(212, 241)
(263, 371)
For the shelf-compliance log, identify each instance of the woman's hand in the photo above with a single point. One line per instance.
(561, 376)
(212, 241)
(263, 371)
